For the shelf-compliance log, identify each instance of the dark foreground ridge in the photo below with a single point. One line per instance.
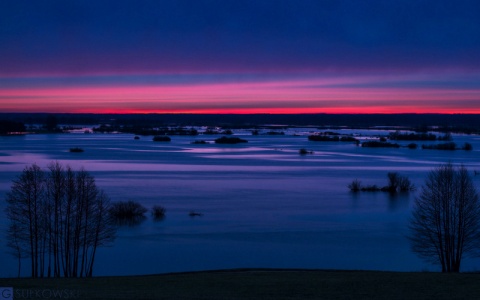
(256, 284)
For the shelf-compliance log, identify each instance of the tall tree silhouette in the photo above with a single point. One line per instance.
(58, 219)
(445, 224)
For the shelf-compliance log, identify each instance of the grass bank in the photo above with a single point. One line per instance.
(255, 284)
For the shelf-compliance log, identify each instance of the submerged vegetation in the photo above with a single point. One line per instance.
(127, 209)
(200, 142)
(396, 183)
(377, 144)
(443, 146)
(145, 130)
(412, 146)
(132, 213)
(304, 151)
(158, 212)
(161, 138)
(422, 136)
(127, 212)
(399, 183)
(275, 133)
(214, 131)
(230, 140)
(331, 138)
(467, 147)
(448, 146)
(194, 214)
(355, 185)
(76, 150)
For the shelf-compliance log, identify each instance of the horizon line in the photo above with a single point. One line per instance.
(236, 113)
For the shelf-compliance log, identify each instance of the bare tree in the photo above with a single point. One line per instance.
(58, 220)
(24, 211)
(16, 242)
(445, 223)
(393, 180)
(101, 231)
(56, 196)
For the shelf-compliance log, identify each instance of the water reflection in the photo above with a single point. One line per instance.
(159, 218)
(129, 222)
(263, 203)
(399, 201)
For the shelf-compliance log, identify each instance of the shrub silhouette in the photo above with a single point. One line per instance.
(355, 185)
(158, 212)
(76, 150)
(323, 138)
(399, 136)
(467, 147)
(370, 188)
(446, 137)
(444, 146)
(404, 184)
(334, 138)
(377, 144)
(230, 140)
(194, 214)
(127, 212)
(346, 138)
(396, 183)
(393, 180)
(304, 151)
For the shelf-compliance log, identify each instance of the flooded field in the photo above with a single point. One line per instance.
(262, 203)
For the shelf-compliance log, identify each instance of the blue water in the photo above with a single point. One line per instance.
(263, 204)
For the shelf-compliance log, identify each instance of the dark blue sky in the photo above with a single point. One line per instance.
(195, 35)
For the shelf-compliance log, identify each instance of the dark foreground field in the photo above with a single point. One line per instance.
(255, 284)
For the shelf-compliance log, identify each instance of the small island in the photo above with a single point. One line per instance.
(76, 150)
(396, 183)
(448, 146)
(377, 144)
(304, 151)
(200, 142)
(230, 140)
(161, 138)
(331, 137)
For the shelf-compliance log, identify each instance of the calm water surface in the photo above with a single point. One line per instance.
(263, 204)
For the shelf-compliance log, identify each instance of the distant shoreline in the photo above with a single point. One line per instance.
(350, 120)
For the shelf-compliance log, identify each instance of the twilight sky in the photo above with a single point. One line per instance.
(240, 56)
